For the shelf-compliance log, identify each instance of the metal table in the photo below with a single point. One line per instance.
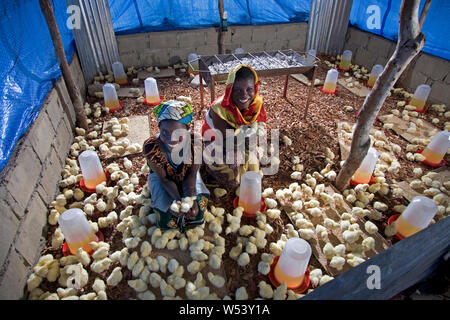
(266, 64)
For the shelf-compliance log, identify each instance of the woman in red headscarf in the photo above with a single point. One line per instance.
(239, 106)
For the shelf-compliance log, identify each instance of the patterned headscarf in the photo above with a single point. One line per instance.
(225, 108)
(179, 111)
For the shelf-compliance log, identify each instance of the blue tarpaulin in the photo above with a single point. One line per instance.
(28, 66)
(381, 17)
(132, 16)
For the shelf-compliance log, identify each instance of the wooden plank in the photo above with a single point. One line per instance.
(360, 90)
(409, 193)
(304, 79)
(139, 132)
(345, 145)
(125, 93)
(164, 73)
(334, 237)
(314, 242)
(401, 266)
(400, 127)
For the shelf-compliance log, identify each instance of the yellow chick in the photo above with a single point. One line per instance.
(216, 280)
(166, 289)
(368, 243)
(195, 266)
(306, 234)
(99, 266)
(324, 279)
(219, 192)
(337, 262)
(265, 290)
(244, 259)
(263, 267)
(280, 292)
(147, 295)
(350, 236)
(380, 206)
(138, 285)
(33, 282)
(370, 227)
(241, 294)
(355, 261)
(328, 250)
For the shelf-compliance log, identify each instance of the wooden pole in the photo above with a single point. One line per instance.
(220, 35)
(311, 86)
(285, 86)
(410, 43)
(72, 88)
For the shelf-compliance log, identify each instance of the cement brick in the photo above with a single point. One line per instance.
(440, 92)
(381, 60)
(44, 195)
(51, 174)
(298, 43)
(182, 53)
(77, 72)
(208, 50)
(130, 59)
(363, 57)
(264, 33)
(63, 141)
(132, 43)
(52, 104)
(276, 45)
(416, 79)
(8, 229)
(447, 79)
(212, 36)
(30, 238)
(189, 39)
(378, 46)
(22, 178)
(17, 208)
(253, 46)
(357, 37)
(64, 102)
(155, 57)
(14, 280)
(42, 132)
(163, 40)
(435, 68)
(289, 31)
(241, 35)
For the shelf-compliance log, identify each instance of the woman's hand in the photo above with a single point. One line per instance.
(175, 214)
(192, 213)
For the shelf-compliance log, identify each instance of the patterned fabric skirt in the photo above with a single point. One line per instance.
(161, 202)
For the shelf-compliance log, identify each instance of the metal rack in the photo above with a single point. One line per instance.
(266, 64)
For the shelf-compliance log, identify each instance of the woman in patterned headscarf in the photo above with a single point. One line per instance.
(239, 107)
(171, 178)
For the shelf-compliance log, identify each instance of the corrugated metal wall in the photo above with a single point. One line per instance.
(327, 26)
(95, 40)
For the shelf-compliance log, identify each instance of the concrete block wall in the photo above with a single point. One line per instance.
(369, 49)
(29, 182)
(169, 47)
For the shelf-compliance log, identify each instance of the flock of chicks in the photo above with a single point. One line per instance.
(142, 240)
